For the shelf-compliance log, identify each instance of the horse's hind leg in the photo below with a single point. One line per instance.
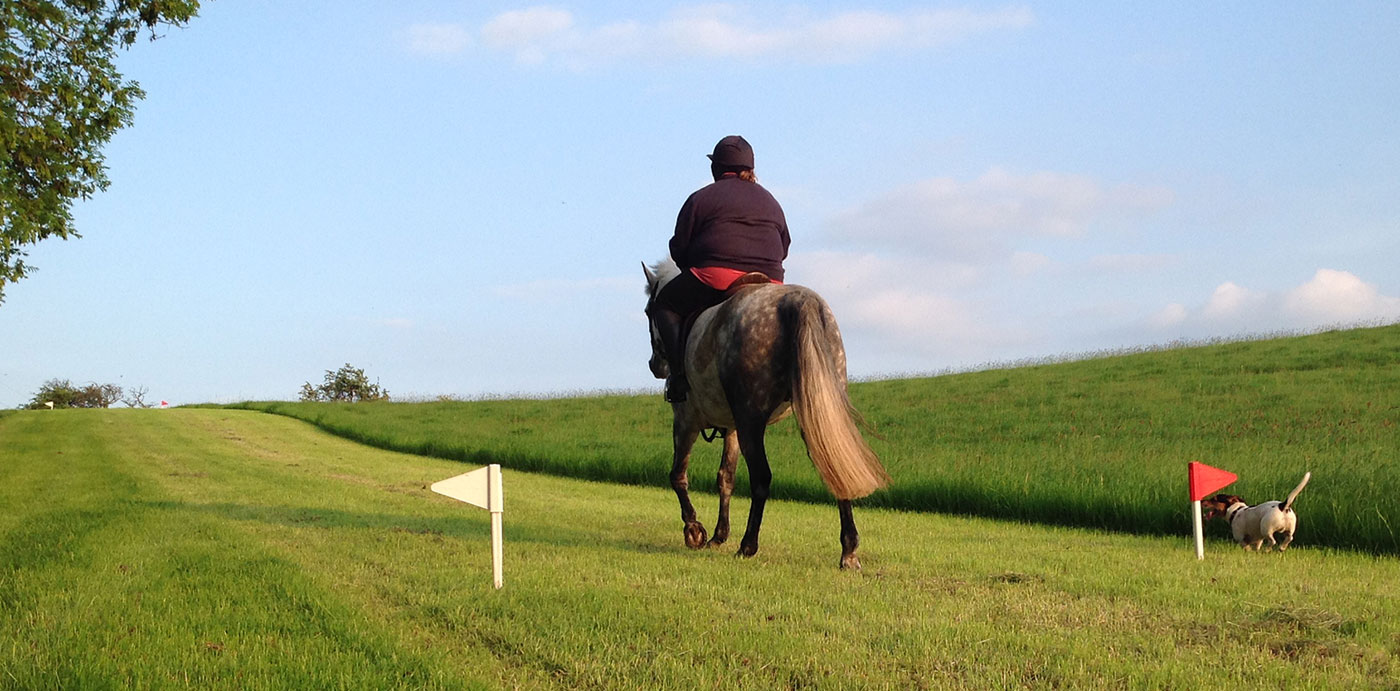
(760, 481)
(684, 438)
(728, 463)
(850, 539)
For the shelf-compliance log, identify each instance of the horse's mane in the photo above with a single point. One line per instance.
(664, 270)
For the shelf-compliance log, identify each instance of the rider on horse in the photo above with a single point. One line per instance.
(724, 231)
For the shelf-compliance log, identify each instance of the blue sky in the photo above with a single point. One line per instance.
(457, 196)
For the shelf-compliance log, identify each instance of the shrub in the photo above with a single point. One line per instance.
(348, 384)
(63, 394)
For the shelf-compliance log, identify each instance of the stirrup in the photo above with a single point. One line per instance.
(677, 389)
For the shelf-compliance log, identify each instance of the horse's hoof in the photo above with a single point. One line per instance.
(695, 535)
(746, 551)
(718, 540)
(849, 561)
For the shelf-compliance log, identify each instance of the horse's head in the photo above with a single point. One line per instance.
(657, 278)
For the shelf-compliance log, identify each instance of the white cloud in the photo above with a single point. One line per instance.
(1330, 297)
(828, 271)
(926, 321)
(1339, 296)
(728, 31)
(909, 305)
(437, 39)
(1170, 316)
(735, 32)
(1232, 301)
(979, 218)
(530, 33)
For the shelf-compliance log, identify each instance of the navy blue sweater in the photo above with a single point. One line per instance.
(732, 223)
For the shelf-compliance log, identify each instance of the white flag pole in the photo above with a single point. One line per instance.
(1200, 534)
(482, 487)
(496, 505)
(1201, 480)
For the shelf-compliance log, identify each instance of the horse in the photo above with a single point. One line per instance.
(766, 352)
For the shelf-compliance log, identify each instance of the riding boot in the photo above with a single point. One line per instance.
(669, 326)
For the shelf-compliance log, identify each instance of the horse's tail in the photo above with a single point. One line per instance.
(846, 463)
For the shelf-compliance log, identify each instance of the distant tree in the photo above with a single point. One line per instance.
(136, 398)
(63, 394)
(348, 384)
(98, 396)
(60, 392)
(61, 100)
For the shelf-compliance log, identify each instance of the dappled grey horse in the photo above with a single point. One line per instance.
(767, 351)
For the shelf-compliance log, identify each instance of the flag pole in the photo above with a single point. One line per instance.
(1200, 534)
(481, 487)
(496, 504)
(1201, 480)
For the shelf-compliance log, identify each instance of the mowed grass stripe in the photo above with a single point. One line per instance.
(261, 553)
(109, 580)
(1099, 443)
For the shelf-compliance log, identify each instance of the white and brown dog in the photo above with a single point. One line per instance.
(1253, 525)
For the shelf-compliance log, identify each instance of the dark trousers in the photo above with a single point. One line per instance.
(683, 297)
(686, 295)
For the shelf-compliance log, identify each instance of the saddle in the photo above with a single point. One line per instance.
(749, 279)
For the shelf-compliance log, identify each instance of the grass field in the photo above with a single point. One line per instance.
(231, 549)
(1097, 443)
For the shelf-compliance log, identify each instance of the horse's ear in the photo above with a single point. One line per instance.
(651, 277)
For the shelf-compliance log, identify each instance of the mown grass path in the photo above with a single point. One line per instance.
(233, 549)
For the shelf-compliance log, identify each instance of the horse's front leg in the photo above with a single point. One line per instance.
(728, 463)
(760, 481)
(683, 435)
(850, 539)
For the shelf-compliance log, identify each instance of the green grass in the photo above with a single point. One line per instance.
(1099, 443)
(229, 549)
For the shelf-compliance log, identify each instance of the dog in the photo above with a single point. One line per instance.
(1253, 525)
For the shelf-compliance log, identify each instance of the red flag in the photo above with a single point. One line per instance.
(1205, 479)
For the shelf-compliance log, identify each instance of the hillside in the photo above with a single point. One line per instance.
(1099, 443)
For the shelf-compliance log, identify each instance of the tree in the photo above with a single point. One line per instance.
(136, 398)
(61, 100)
(63, 394)
(98, 396)
(60, 392)
(347, 384)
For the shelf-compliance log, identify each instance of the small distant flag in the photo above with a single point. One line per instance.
(1201, 481)
(49, 404)
(164, 404)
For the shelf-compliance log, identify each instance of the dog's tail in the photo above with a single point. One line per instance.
(1288, 505)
